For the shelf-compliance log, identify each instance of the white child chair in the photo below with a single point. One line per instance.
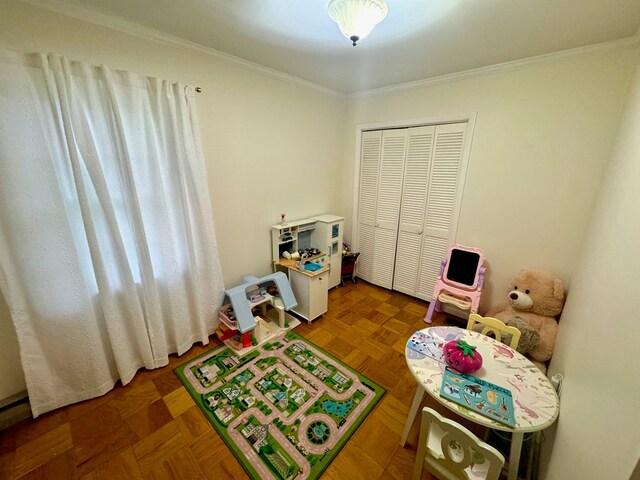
(495, 327)
(451, 452)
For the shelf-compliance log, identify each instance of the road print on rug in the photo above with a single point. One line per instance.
(285, 409)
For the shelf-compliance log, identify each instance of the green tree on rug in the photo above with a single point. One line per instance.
(267, 449)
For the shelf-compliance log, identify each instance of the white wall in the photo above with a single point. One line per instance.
(598, 431)
(270, 146)
(542, 137)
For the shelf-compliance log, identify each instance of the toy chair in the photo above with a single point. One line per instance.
(452, 452)
(494, 326)
(348, 267)
(460, 280)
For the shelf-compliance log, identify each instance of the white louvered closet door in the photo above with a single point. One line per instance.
(415, 189)
(367, 204)
(443, 203)
(388, 209)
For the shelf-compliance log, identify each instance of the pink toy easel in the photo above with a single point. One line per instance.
(460, 280)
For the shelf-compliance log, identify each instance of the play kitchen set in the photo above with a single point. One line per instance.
(309, 251)
(257, 310)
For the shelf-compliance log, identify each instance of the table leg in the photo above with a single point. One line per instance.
(514, 455)
(417, 400)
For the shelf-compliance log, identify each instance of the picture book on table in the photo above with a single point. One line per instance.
(426, 345)
(484, 397)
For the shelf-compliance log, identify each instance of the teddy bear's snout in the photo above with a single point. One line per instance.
(520, 300)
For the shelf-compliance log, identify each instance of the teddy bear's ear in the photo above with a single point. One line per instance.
(558, 290)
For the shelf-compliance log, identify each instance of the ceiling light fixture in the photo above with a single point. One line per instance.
(356, 18)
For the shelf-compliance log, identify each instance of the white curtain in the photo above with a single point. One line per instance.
(108, 258)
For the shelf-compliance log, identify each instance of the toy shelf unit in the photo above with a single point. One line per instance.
(328, 236)
(256, 311)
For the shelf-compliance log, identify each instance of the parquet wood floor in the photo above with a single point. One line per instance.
(152, 429)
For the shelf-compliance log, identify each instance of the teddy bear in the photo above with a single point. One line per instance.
(536, 298)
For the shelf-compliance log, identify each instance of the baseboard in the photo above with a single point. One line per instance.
(14, 409)
(13, 399)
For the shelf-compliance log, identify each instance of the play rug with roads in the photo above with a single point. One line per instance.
(284, 409)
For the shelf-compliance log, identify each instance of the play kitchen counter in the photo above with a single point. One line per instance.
(309, 287)
(292, 264)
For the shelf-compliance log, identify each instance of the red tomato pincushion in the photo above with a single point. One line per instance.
(462, 356)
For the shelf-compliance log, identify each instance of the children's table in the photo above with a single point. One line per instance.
(535, 401)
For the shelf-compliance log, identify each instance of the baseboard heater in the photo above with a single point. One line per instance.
(14, 409)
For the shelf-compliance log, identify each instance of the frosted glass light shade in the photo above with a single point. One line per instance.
(356, 18)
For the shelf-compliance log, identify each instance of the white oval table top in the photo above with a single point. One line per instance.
(535, 401)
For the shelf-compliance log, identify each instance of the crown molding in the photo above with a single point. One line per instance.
(147, 33)
(140, 31)
(620, 44)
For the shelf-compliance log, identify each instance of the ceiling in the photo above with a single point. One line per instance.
(419, 39)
